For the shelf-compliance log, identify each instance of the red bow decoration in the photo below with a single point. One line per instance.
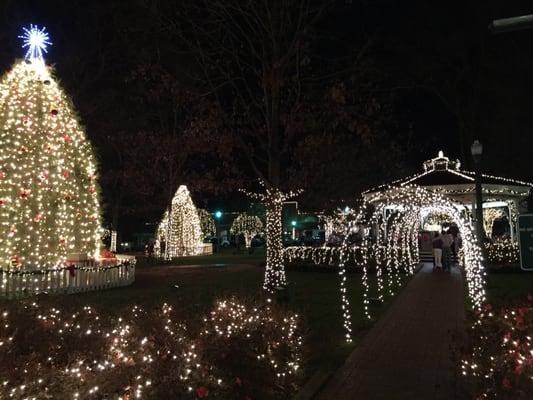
(71, 268)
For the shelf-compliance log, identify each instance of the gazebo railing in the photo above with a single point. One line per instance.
(74, 277)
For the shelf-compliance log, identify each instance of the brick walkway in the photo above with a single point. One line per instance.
(406, 355)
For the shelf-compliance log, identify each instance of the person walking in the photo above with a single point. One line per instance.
(437, 251)
(447, 242)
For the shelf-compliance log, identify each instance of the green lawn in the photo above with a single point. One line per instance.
(313, 294)
(506, 287)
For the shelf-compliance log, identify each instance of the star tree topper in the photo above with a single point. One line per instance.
(36, 40)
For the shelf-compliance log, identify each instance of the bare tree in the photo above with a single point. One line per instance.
(251, 57)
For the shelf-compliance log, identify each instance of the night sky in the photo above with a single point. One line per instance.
(436, 62)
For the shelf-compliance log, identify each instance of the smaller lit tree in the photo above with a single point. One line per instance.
(207, 222)
(179, 233)
(249, 225)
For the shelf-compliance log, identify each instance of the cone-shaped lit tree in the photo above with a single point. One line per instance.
(49, 206)
(179, 233)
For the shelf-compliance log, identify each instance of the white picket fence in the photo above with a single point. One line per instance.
(81, 276)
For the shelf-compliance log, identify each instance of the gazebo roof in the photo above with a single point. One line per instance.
(442, 172)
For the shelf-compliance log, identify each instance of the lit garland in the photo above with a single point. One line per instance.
(249, 225)
(49, 207)
(98, 356)
(179, 233)
(322, 255)
(207, 222)
(274, 268)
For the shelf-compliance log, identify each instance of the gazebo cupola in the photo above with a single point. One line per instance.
(441, 163)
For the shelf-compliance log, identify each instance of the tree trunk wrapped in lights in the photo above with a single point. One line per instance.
(274, 268)
(49, 207)
(248, 225)
(179, 233)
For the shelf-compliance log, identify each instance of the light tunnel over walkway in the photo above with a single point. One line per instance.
(395, 243)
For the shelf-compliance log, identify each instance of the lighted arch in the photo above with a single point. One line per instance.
(396, 242)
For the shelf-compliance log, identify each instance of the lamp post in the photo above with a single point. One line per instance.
(218, 216)
(477, 151)
(293, 224)
(512, 24)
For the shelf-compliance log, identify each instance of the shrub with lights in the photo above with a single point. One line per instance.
(503, 252)
(238, 350)
(248, 225)
(179, 233)
(499, 359)
(49, 207)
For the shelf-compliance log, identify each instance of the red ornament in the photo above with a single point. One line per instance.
(15, 261)
(2, 174)
(61, 241)
(107, 254)
(67, 196)
(92, 189)
(38, 218)
(67, 138)
(25, 119)
(2, 203)
(54, 112)
(23, 149)
(24, 194)
(66, 174)
(202, 392)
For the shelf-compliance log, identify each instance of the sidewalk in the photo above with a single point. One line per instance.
(407, 355)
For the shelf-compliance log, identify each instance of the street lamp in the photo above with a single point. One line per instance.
(293, 223)
(512, 24)
(218, 216)
(477, 151)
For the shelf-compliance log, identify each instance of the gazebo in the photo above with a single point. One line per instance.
(503, 198)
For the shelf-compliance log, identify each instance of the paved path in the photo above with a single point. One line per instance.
(406, 355)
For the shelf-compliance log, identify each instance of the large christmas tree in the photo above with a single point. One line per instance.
(49, 207)
(179, 233)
